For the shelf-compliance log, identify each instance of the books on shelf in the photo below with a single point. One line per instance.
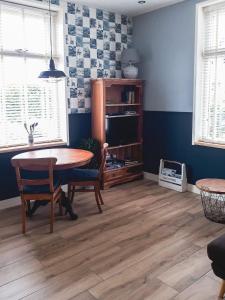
(128, 95)
(113, 163)
(131, 97)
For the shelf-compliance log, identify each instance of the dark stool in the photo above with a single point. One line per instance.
(216, 252)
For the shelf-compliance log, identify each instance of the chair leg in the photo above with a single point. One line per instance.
(97, 199)
(23, 214)
(72, 193)
(60, 208)
(69, 192)
(51, 215)
(28, 208)
(100, 196)
(222, 290)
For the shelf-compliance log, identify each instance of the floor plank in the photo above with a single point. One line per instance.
(149, 244)
(188, 271)
(84, 296)
(204, 289)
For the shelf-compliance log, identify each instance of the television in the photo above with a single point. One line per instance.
(121, 131)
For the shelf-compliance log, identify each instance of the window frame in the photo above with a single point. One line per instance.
(58, 56)
(199, 29)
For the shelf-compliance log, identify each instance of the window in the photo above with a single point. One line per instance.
(209, 108)
(24, 53)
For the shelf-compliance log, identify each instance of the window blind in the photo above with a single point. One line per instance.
(211, 114)
(24, 53)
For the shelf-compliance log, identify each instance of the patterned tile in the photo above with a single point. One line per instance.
(95, 39)
(71, 30)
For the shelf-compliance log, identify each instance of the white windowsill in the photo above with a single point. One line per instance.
(29, 148)
(211, 145)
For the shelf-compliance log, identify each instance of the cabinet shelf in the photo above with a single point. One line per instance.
(122, 116)
(125, 146)
(139, 164)
(122, 104)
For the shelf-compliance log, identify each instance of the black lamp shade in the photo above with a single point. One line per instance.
(52, 72)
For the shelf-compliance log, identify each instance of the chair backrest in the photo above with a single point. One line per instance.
(104, 151)
(35, 164)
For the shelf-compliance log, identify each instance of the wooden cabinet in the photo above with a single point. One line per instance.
(117, 118)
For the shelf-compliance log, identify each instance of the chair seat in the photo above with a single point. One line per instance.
(41, 189)
(218, 270)
(216, 251)
(84, 175)
(63, 175)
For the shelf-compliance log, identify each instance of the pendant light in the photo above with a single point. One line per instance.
(52, 74)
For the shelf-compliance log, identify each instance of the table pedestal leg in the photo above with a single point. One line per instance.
(65, 202)
(67, 205)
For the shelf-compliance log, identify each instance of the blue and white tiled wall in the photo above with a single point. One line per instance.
(94, 41)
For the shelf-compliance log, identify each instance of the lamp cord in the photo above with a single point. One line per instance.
(50, 23)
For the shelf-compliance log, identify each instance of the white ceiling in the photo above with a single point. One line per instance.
(129, 7)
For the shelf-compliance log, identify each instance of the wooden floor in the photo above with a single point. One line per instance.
(150, 243)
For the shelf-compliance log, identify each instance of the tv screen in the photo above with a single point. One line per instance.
(121, 131)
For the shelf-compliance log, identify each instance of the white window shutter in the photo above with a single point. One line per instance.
(24, 97)
(211, 109)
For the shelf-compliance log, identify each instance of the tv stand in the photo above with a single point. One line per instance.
(112, 98)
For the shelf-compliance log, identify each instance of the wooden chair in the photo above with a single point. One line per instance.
(88, 178)
(36, 187)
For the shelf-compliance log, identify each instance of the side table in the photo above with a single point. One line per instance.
(213, 198)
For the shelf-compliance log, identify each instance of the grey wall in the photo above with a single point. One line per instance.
(165, 39)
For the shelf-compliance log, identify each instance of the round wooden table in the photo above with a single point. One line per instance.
(66, 158)
(213, 198)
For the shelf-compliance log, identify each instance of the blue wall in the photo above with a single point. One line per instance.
(168, 135)
(165, 39)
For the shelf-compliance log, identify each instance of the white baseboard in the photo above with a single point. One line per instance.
(7, 203)
(150, 176)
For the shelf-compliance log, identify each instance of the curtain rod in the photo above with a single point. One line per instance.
(25, 5)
